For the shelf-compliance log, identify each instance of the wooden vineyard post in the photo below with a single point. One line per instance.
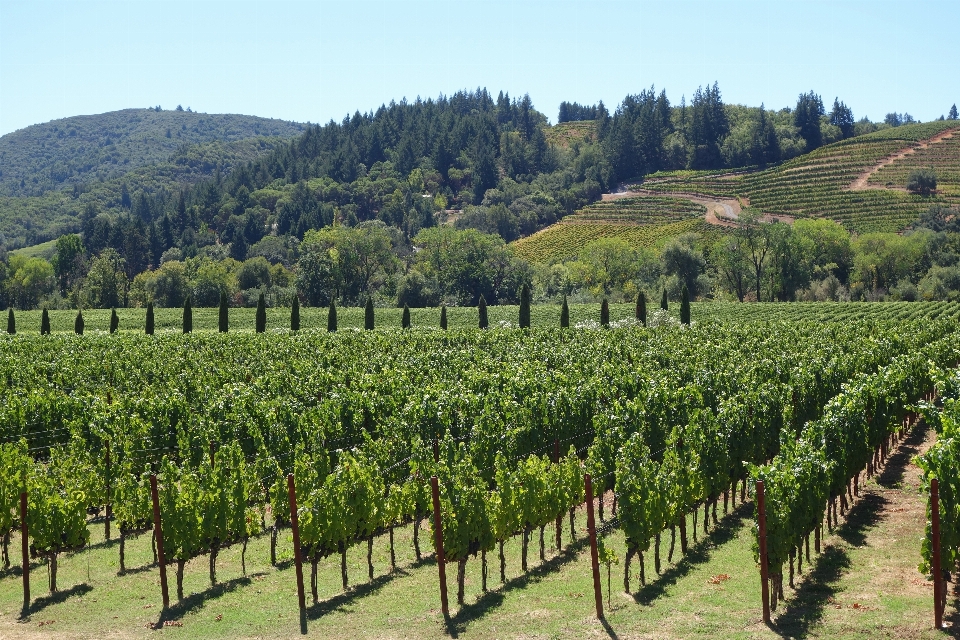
(158, 530)
(295, 526)
(594, 555)
(764, 577)
(436, 450)
(438, 538)
(213, 451)
(109, 506)
(556, 460)
(26, 553)
(938, 587)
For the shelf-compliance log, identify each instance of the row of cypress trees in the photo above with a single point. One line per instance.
(368, 315)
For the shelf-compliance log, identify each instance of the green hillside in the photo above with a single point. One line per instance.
(49, 173)
(84, 149)
(821, 184)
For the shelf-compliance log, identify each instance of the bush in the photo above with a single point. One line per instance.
(922, 182)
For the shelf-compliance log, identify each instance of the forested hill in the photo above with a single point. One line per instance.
(84, 149)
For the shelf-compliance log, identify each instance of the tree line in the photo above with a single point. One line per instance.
(811, 259)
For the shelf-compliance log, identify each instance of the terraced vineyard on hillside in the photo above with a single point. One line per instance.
(818, 184)
(565, 240)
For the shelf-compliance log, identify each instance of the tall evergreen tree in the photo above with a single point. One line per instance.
(224, 313)
(261, 321)
(11, 322)
(295, 314)
(953, 113)
(187, 316)
(149, 327)
(482, 313)
(443, 317)
(685, 305)
(841, 116)
(524, 307)
(663, 300)
(368, 318)
(45, 323)
(78, 323)
(604, 313)
(806, 117)
(641, 310)
(332, 317)
(565, 314)
(405, 319)
(114, 321)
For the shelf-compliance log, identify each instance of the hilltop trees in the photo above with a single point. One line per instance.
(841, 116)
(806, 117)
(953, 113)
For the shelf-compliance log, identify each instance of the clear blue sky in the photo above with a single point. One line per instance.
(317, 60)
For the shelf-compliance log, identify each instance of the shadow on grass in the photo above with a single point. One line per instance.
(356, 592)
(196, 600)
(486, 603)
(806, 607)
(698, 554)
(41, 603)
(135, 570)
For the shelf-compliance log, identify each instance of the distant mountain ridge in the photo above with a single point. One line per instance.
(95, 148)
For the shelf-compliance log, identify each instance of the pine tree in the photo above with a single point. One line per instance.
(565, 314)
(953, 113)
(443, 317)
(663, 301)
(45, 323)
(114, 321)
(295, 314)
(405, 319)
(261, 321)
(368, 317)
(524, 307)
(11, 322)
(224, 313)
(641, 311)
(332, 317)
(149, 327)
(482, 312)
(187, 316)
(604, 313)
(685, 306)
(78, 323)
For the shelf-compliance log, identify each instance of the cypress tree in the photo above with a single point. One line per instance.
(482, 311)
(78, 323)
(604, 313)
(149, 328)
(332, 317)
(224, 313)
(443, 317)
(45, 323)
(11, 322)
(295, 314)
(187, 316)
(524, 307)
(261, 322)
(565, 314)
(642, 308)
(685, 306)
(663, 301)
(114, 321)
(405, 320)
(368, 318)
